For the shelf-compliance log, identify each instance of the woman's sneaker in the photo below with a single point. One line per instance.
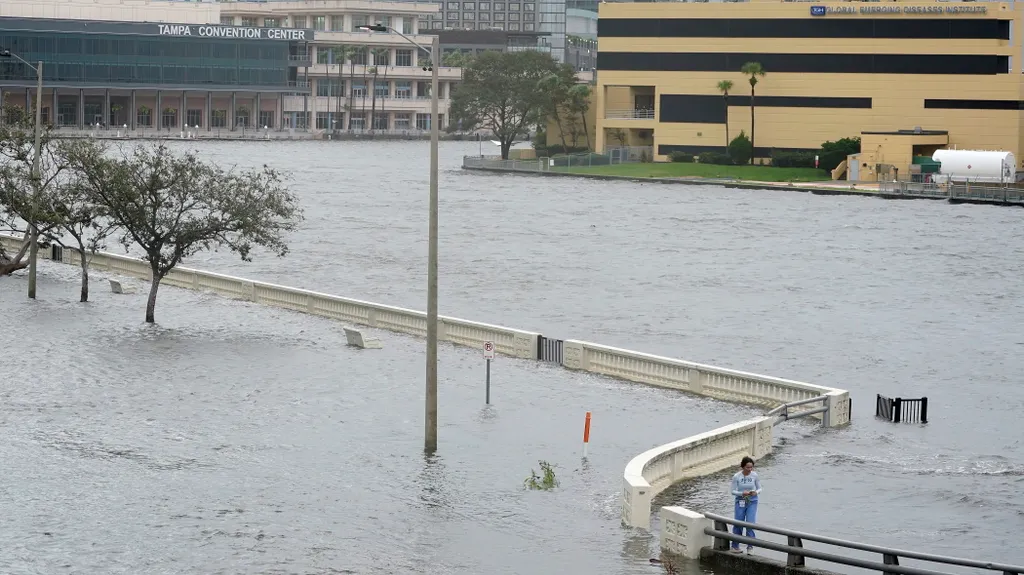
(750, 550)
(736, 550)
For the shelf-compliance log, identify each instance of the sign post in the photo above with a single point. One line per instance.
(488, 356)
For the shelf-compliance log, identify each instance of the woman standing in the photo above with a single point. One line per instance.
(745, 488)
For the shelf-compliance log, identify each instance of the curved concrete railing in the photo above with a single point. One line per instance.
(647, 474)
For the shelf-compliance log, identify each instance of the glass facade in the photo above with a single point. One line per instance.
(161, 59)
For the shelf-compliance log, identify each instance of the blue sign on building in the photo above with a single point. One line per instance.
(817, 10)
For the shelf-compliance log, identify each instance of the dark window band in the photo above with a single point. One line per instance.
(806, 63)
(974, 104)
(759, 152)
(915, 28)
(710, 109)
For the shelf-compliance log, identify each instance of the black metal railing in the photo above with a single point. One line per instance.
(549, 349)
(899, 410)
(796, 553)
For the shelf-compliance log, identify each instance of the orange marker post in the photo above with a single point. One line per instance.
(586, 434)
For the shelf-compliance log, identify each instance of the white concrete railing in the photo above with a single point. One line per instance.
(511, 342)
(647, 474)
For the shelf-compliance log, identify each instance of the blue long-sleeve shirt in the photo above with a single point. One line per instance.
(741, 483)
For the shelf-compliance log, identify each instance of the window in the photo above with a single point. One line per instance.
(403, 89)
(249, 21)
(513, 27)
(266, 119)
(382, 88)
(528, 27)
(528, 17)
(301, 120)
(484, 17)
(513, 16)
(498, 25)
(359, 20)
(437, 25)
(499, 5)
(513, 7)
(194, 118)
(144, 117)
(328, 87)
(358, 88)
(403, 121)
(468, 16)
(359, 57)
(498, 16)
(470, 25)
(485, 5)
(408, 26)
(453, 15)
(357, 121)
(219, 119)
(380, 121)
(469, 5)
(242, 116)
(422, 121)
(422, 89)
(320, 22)
(403, 58)
(382, 20)
(453, 5)
(170, 118)
(323, 54)
(323, 120)
(338, 23)
(271, 22)
(298, 21)
(225, 20)
(382, 57)
(528, 7)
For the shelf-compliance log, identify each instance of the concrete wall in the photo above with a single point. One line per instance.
(897, 99)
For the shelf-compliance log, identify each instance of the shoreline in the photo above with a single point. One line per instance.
(805, 187)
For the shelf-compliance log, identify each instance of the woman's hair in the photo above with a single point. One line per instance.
(745, 461)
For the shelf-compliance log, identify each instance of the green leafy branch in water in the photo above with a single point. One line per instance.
(545, 482)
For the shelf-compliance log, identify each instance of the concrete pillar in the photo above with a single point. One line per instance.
(183, 112)
(54, 106)
(231, 112)
(279, 116)
(158, 114)
(81, 109)
(258, 105)
(682, 532)
(106, 108)
(209, 111)
(133, 114)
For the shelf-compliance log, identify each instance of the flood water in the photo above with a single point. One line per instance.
(154, 436)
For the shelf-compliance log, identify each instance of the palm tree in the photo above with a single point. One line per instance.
(724, 86)
(753, 71)
(381, 54)
(366, 66)
(341, 54)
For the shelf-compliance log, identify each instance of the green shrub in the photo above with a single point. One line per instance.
(741, 149)
(716, 158)
(793, 159)
(834, 153)
(681, 157)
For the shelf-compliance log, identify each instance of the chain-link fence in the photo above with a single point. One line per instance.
(563, 163)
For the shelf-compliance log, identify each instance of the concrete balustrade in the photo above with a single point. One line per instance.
(645, 475)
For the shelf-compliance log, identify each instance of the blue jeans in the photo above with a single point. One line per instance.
(747, 513)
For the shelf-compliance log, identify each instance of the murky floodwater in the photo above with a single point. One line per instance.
(899, 298)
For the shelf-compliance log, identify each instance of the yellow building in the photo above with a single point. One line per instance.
(907, 77)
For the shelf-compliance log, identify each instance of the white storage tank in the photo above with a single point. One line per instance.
(975, 166)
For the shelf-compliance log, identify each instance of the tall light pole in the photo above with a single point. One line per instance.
(430, 425)
(33, 254)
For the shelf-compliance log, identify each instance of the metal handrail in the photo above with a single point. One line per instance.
(785, 406)
(890, 555)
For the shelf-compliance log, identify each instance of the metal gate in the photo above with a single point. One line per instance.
(549, 349)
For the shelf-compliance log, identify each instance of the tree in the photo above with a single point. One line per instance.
(173, 207)
(578, 105)
(500, 93)
(341, 54)
(620, 135)
(740, 149)
(753, 71)
(556, 87)
(380, 55)
(724, 86)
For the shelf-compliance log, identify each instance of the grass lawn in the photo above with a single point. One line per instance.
(683, 170)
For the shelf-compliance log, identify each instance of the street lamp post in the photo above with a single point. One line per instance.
(33, 254)
(430, 425)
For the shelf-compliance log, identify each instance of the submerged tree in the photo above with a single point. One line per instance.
(173, 206)
(500, 93)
